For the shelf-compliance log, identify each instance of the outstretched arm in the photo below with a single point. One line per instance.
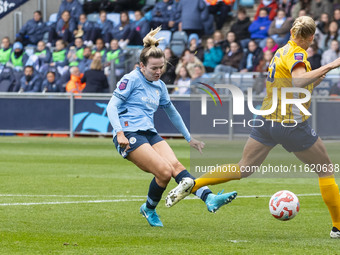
(178, 122)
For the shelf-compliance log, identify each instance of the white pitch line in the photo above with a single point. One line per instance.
(25, 195)
(129, 200)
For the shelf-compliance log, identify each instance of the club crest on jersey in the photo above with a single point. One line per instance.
(123, 84)
(132, 140)
(298, 56)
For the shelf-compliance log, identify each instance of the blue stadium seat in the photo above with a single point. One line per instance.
(131, 16)
(114, 17)
(52, 19)
(93, 17)
(166, 34)
(178, 42)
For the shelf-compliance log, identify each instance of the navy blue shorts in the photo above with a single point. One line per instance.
(293, 139)
(136, 139)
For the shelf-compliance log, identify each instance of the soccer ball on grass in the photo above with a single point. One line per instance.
(284, 205)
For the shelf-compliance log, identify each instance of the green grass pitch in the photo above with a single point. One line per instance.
(78, 196)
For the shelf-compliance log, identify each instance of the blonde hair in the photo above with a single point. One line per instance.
(150, 47)
(303, 28)
(96, 64)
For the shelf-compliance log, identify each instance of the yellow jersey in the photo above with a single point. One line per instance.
(279, 76)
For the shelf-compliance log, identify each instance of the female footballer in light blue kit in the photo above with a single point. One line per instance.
(131, 109)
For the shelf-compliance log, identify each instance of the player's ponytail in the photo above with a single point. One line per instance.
(150, 47)
(303, 28)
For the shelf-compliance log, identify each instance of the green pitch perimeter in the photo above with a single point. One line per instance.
(78, 196)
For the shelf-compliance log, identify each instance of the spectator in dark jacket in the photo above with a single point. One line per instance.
(161, 14)
(138, 29)
(31, 81)
(121, 32)
(251, 58)
(240, 27)
(231, 60)
(64, 29)
(33, 31)
(96, 81)
(175, 16)
(171, 59)
(50, 84)
(85, 63)
(73, 7)
(195, 46)
(192, 16)
(314, 57)
(104, 27)
(85, 30)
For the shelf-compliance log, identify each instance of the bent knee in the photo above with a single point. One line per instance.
(164, 172)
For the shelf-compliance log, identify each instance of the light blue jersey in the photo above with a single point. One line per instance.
(141, 100)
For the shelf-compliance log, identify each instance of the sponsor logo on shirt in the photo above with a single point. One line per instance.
(123, 84)
(298, 56)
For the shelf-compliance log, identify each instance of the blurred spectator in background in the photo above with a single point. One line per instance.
(270, 6)
(50, 83)
(169, 74)
(85, 30)
(115, 54)
(7, 79)
(121, 31)
(322, 27)
(75, 85)
(318, 7)
(220, 10)
(259, 28)
(95, 79)
(195, 47)
(139, 28)
(175, 16)
(331, 54)
(5, 51)
(73, 7)
(161, 14)
(240, 27)
(99, 47)
(33, 31)
(219, 40)
(59, 59)
(193, 14)
(31, 81)
(262, 67)
(64, 29)
(231, 60)
(182, 82)
(271, 45)
(18, 56)
(212, 55)
(189, 60)
(300, 5)
(286, 5)
(41, 58)
(103, 28)
(314, 57)
(85, 63)
(333, 34)
(336, 16)
(251, 58)
(279, 29)
(199, 75)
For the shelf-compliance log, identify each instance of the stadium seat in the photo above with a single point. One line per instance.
(93, 17)
(247, 3)
(178, 42)
(166, 34)
(52, 19)
(114, 17)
